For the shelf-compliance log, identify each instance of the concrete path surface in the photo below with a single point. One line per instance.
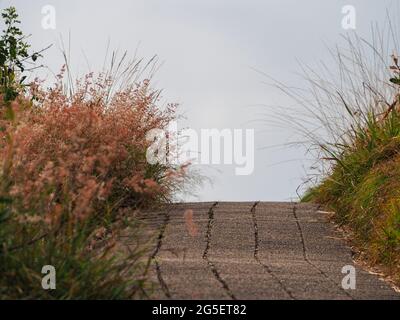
(253, 251)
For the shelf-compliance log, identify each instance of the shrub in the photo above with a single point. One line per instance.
(72, 165)
(75, 156)
(349, 120)
(14, 56)
(73, 171)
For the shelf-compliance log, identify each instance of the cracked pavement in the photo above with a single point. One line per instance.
(261, 250)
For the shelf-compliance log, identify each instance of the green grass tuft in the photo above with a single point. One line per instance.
(364, 191)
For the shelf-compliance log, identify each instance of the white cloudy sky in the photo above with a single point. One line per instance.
(210, 50)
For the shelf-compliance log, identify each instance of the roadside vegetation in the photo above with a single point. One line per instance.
(350, 123)
(73, 171)
(363, 188)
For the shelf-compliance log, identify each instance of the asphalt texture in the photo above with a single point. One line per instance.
(260, 250)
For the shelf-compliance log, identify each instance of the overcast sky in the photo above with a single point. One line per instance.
(209, 50)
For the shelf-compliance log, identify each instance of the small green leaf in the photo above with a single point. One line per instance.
(22, 79)
(5, 199)
(395, 80)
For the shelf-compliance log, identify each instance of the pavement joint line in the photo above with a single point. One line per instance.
(256, 250)
(226, 259)
(210, 264)
(163, 284)
(305, 255)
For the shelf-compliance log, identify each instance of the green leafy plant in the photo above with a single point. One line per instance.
(350, 120)
(76, 209)
(14, 56)
(396, 70)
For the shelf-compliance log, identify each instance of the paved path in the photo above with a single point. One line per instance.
(253, 251)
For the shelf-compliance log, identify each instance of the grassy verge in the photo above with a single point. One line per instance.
(86, 266)
(73, 169)
(364, 191)
(348, 119)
